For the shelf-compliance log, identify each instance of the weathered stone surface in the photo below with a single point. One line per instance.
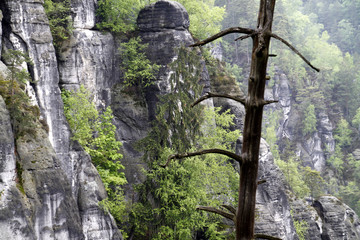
(62, 187)
(88, 59)
(84, 13)
(339, 221)
(163, 15)
(272, 204)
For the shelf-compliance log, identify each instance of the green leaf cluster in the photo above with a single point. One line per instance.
(24, 115)
(60, 20)
(118, 16)
(291, 169)
(96, 134)
(137, 68)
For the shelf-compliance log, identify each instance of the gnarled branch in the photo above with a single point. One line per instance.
(217, 211)
(223, 33)
(211, 95)
(202, 152)
(264, 236)
(294, 50)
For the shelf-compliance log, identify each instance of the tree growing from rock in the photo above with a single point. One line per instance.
(244, 215)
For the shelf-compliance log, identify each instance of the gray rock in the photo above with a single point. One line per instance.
(62, 187)
(273, 208)
(339, 221)
(83, 13)
(163, 15)
(88, 59)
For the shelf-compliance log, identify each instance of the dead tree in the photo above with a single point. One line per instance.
(244, 215)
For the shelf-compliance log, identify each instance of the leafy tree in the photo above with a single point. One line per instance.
(314, 181)
(291, 170)
(356, 119)
(336, 160)
(118, 16)
(96, 134)
(23, 113)
(138, 70)
(60, 21)
(342, 134)
(309, 122)
(270, 133)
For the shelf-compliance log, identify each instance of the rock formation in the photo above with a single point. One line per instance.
(61, 188)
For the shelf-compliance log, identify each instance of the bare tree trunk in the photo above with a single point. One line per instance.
(245, 216)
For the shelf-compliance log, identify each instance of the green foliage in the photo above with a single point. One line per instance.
(310, 120)
(137, 68)
(342, 134)
(301, 228)
(96, 134)
(269, 133)
(60, 21)
(185, 184)
(292, 172)
(23, 114)
(356, 119)
(314, 181)
(118, 16)
(350, 194)
(336, 160)
(205, 17)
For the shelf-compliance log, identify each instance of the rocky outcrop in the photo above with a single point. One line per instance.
(272, 204)
(339, 221)
(61, 187)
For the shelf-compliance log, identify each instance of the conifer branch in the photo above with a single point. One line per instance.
(203, 152)
(264, 236)
(211, 95)
(217, 211)
(223, 33)
(294, 50)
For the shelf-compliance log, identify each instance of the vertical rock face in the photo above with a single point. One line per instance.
(61, 186)
(272, 203)
(312, 148)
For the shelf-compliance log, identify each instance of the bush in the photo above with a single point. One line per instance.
(60, 21)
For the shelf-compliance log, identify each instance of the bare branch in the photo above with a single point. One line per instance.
(266, 102)
(230, 208)
(261, 181)
(210, 95)
(223, 33)
(202, 152)
(246, 36)
(294, 50)
(264, 236)
(217, 211)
